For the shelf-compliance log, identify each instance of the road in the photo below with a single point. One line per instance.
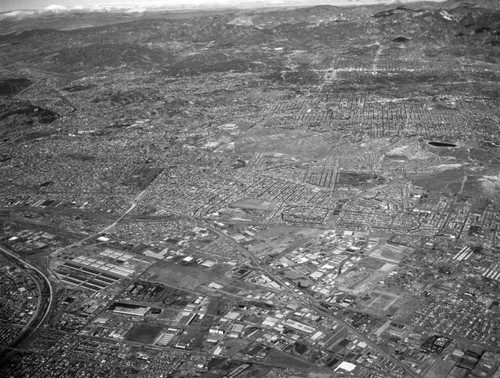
(308, 301)
(304, 299)
(105, 229)
(46, 297)
(45, 302)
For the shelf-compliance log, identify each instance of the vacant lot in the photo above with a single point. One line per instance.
(187, 277)
(143, 333)
(298, 143)
(391, 253)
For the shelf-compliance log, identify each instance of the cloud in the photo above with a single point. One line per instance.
(18, 14)
(140, 6)
(118, 6)
(56, 8)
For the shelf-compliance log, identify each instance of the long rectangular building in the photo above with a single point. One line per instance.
(299, 326)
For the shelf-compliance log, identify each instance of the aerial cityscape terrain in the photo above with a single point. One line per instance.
(286, 192)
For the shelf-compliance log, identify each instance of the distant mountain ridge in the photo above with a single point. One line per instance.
(60, 18)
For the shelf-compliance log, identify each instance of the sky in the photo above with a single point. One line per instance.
(10, 5)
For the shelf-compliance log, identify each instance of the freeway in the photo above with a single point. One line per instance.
(303, 298)
(45, 299)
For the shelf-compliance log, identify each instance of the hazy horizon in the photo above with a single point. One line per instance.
(60, 5)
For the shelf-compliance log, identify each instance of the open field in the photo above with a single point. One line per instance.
(143, 333)
(187, 277)
(391, 253)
